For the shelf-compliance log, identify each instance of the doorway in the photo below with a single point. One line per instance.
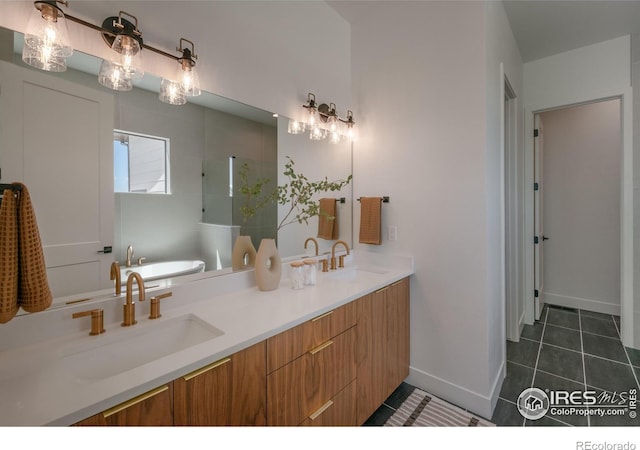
(577, 161)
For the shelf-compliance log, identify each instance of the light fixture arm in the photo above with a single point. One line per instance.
(188, 54)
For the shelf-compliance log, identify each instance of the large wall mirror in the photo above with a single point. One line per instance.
(157, 183)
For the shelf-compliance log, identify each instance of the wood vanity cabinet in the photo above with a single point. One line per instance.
(231, 391)
(312, 371)
(382, 345)
(153, 408)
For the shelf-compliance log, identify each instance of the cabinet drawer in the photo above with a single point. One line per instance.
(300, 388)
(291, 344)
(340, 411)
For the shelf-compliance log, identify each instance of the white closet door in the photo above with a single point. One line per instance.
(57, 138)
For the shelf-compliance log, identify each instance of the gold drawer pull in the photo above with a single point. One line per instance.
(134, 401)
(320, 410)
(397, 283)
(382, 289)
(321, 347)
(206, 369)
(322, 316)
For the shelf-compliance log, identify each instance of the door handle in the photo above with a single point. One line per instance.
(544, 238)
(106, 249)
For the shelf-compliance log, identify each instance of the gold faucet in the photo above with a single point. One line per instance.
(115, 275)
(129, 306)
(127, 262)
(333, 254)
(314, 241)
(97, 320)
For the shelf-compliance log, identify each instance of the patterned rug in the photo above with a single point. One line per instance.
(422, 409)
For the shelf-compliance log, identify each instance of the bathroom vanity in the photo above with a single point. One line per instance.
(222, 353)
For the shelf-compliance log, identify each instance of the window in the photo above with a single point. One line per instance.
(140, 163)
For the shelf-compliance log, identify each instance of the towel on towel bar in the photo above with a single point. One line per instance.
(328, 219)
(371, 220)
(8, 256)
(33, 287)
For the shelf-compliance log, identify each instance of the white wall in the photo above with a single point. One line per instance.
(430, 140)
(589, 73)
(581, 206)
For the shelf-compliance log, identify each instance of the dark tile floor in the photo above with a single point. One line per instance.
(567, 349)
(573, 350)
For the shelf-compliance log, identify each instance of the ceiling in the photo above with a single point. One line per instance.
(544, 27)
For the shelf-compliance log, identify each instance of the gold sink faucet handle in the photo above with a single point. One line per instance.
(155, 305)
(97, 320)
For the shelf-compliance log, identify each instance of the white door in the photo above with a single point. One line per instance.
(539, 237)
(57, 138)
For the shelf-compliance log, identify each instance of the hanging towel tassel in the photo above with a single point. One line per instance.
(8, 256)
(33, 287)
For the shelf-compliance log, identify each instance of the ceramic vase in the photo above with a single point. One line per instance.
(243, 255)
(268, 265)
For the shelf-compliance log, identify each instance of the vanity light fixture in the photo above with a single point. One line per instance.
(47, 46)
(322, 121)
(186, 82)
(46, 41)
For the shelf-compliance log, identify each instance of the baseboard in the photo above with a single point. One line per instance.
(582, 303)
(460, 396)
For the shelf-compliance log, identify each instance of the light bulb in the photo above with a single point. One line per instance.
(129, 55)
(296, 127)
(114, 76)
(172, 92)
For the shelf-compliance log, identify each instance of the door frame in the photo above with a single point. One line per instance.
(626, 204)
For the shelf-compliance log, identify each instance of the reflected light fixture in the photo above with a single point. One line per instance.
(47, 46)
(46, 40)
(322, 121)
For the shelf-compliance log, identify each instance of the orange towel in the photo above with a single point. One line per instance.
(8, 256)
(328, 219)
(371, 220)
(33, 287)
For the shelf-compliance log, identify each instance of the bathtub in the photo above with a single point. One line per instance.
(166, 269)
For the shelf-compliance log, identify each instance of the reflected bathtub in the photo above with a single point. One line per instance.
(166, 269)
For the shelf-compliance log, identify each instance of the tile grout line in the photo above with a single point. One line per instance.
(633, 371)
(584, 370)
(535, 367)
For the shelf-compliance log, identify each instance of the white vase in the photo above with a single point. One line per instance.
(268, 265)
(243, 255)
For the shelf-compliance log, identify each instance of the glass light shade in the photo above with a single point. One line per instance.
(114, 76)
(312, 118)
(172, 92)
(351, 133)
(317, 134)
(335, 136)
(46, 40)
(128, 55)
(188, 77)
(296, 127)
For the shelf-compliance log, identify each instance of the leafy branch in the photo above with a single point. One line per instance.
(253, 200)
(298, 192)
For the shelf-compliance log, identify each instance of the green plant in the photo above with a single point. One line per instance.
(252, 194)
(298, 193)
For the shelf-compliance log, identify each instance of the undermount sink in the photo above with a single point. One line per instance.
(127, 349)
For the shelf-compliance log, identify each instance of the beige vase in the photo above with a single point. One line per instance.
(243, 255)
(268, 265)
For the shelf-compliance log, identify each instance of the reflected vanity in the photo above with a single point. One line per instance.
(198, 217)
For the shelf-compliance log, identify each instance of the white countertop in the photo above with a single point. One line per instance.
(37, 386)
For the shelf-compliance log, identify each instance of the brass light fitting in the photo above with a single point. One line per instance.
(322, 120)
